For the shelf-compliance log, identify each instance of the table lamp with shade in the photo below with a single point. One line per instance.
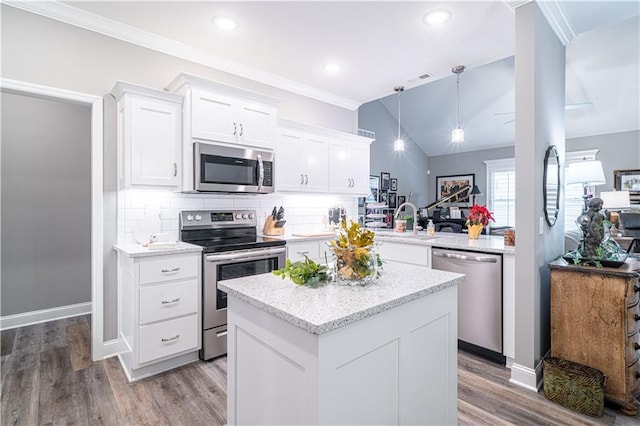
(587, 173)
(614, 201)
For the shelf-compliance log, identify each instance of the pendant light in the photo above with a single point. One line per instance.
(457, 135)
(398, 145)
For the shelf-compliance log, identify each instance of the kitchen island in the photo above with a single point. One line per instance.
(381, 354)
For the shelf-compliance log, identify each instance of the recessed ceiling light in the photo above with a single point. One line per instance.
(437, 17)
(225, 23)
(332, 67)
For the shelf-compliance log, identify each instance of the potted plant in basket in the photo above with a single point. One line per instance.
(478, 218)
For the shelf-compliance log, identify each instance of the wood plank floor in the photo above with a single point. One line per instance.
(48, 378)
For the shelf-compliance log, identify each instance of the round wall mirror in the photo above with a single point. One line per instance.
(551, 185)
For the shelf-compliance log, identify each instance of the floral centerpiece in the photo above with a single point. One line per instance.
(478, 218)
(356, 261)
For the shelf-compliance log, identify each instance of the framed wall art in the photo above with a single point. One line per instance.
(391, 200)
(448, 185)
(628, 180)
(385, 180)
(401, 200)
(394, 184)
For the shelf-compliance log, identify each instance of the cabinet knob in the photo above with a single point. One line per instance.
(637, 317)
(637, 374)
(636, 346)
(636, 289)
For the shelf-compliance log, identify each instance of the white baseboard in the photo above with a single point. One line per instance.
(109, 349)
(526, 377)
(44, 315)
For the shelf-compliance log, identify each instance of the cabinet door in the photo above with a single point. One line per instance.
(155, 142)
(339, 176)
(359, 168)
(288, 176)
(257, 125)
(213, 117)
(315, 170)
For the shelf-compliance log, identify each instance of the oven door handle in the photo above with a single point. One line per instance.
(251, 255)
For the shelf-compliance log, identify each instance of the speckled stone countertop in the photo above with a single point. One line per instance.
(137, 250)
(448, 240)
(320, 310)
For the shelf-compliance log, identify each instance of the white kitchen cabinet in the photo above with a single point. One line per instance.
(348, 166)
(158, 312)
(301, 161)
(219, 118)
(315, 250)
(415, 254)
(149, 136)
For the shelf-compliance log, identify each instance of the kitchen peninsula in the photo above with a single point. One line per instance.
(381, 354)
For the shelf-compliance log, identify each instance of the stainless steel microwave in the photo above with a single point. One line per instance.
(229, 169)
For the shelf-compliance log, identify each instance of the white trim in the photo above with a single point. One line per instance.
(557, 20)
(89, 21)
(97, 222)
(110, 349)
(500, 164)
(526, 377)
(44, 315)
(587, 154)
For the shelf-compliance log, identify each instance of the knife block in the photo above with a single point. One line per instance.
(269, 227)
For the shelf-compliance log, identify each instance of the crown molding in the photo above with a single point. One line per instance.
(73, 16)
(555, 16)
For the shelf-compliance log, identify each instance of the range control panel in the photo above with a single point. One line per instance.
(217, 218)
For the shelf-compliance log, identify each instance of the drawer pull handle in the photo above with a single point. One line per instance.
(165, 302)
(303, 253)
(637, 317)
(636, 346)
(168, 339)
(167, 271)
(636, 289)
(637, 374)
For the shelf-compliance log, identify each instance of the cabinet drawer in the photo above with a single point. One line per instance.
(158, 302)
(632, 294)
(168, 268)
(168, 338)
(633, 381)
(632, 322)
(405, 253)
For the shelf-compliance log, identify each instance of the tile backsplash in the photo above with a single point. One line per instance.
(303, 212)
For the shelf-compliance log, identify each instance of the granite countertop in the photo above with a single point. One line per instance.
(137, 250)
(448, 240)
(320, 310)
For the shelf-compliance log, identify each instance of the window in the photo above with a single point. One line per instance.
(573, 202)
(501, 191)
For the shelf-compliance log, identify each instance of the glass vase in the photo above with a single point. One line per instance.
(355, 265)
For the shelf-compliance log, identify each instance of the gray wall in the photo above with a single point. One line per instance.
(46, 204)
(409, 167)
(465, 163)
(48, 52)
(618, 151)
(539, 115)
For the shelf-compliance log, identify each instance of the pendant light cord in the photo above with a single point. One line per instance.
(399, 113)
(458, 100)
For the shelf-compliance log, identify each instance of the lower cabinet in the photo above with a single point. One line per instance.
(314, 249)
(158, 312)
(414, 254)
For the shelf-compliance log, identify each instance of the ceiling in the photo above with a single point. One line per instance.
(384, 44)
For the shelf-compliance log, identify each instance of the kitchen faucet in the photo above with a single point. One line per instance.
(415, 214)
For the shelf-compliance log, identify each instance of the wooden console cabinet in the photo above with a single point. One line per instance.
(595, 320)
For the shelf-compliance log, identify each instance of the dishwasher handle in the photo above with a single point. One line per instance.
(472, 258)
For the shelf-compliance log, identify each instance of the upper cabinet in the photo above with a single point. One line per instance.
(315, 159)
(217, 112)
(301, 161)
(149, 136)
(349, 165)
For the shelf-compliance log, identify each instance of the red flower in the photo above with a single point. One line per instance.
(479, 215)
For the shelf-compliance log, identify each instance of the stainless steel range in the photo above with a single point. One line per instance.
(232, 249)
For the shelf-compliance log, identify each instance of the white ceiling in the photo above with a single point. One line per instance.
(384, 44)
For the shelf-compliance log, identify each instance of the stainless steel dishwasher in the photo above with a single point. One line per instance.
(479, 299)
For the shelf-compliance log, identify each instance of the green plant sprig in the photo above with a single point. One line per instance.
(306, 272)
